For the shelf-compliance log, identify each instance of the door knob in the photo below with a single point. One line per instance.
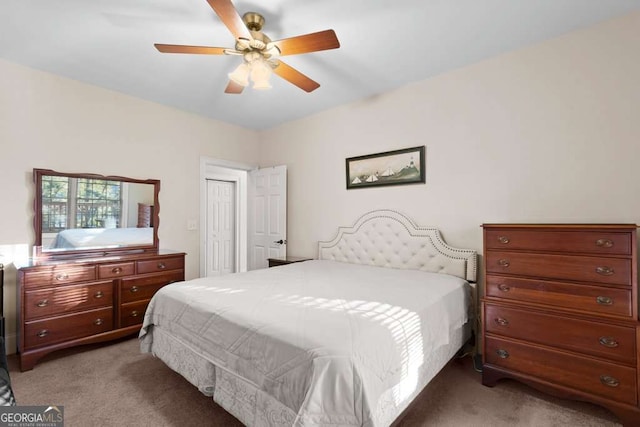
(281, 242)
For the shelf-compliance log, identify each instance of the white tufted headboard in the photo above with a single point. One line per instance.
(387, 238)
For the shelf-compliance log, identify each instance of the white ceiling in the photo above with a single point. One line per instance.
(384, 44)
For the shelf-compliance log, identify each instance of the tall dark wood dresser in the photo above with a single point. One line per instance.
(560, 311)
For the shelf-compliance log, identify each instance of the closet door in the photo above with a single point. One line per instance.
(221, 228)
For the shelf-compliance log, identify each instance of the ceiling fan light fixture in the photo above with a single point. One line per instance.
(260, 73)
(262, 84)
(240, 75)
(265, 85)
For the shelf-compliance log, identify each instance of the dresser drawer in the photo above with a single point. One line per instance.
(132, 313)
(59, 275)
(606, 379)
(593, 299)
(614, 271)
(50, 331)
(110, 271)
(136, 289)
(612, 342)
(69, 298)
(595, 242)
(162, 264)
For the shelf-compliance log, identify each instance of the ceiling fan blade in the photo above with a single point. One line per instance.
(202, 50)
(234, 88)
(295, 77)
(230, 18)
(313, 42)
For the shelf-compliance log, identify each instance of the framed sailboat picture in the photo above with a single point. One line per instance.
(406, 166)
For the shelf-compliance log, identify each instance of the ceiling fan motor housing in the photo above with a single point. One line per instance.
(253, 20)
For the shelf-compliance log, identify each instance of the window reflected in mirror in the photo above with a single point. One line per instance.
(85, 212)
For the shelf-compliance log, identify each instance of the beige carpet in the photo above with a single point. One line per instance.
(115, 385)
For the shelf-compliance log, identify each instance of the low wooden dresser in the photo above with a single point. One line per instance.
(65, 303)
(560, 311)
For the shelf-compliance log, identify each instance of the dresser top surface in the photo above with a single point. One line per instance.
(558, 225)
(110, 258)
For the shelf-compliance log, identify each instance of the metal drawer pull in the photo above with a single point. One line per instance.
(608, 342)
(604, 271)
(135, 313)
(43, 333)
(161, 266)
(43, 303)
(134, 289)
(604, 243)
(609, 381)
(503, 239)
(62, 276)
(504, 262)
(98, 322)
(500, 321)
(604, 300)
(503, 354)
(116, 270)
(504, 288)
(98, 294)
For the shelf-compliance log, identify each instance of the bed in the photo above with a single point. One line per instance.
(75, 238)
(349, 339)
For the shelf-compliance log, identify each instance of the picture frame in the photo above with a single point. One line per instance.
(397, 167)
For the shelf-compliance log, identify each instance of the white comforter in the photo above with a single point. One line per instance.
(326, 339)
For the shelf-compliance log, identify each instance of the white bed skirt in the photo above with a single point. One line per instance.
(253, 407)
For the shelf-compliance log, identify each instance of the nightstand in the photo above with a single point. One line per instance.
(274, 262)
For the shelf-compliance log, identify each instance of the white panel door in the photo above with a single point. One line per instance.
(221, 227)
(267, 215)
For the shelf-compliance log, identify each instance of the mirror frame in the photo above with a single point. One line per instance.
(37, 219)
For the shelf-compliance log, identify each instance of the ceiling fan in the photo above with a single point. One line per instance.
(260, 54)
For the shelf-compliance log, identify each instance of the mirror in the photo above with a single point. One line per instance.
(87, 213)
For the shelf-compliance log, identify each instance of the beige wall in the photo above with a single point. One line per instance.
(51, 122)
(550, 133)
